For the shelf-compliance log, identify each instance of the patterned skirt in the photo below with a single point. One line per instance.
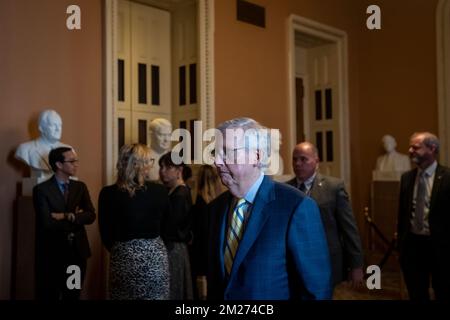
(180, 272)
(139, 270)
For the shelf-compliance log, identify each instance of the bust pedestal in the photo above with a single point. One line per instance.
(384, 197)
(385, 190)
(25, 221)
(386, 175)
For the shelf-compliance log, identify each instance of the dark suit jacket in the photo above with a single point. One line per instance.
(51, 235)
(342, 233)
(439, 216)
(283, 253)
(200, 236)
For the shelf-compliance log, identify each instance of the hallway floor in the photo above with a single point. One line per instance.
(392, 285)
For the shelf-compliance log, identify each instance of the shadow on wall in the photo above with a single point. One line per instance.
(17, 236)
(22, 236)
(18, 166)
(32, 126)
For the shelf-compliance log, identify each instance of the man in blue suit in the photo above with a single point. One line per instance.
(266, 239)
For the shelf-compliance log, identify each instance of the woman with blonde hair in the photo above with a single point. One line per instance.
(208, 188)
(130, 215)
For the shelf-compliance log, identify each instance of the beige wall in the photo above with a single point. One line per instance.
(45, 65)
(392, 73)
(251, 62)
(397, 83)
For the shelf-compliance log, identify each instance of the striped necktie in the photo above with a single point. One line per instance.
(235, 232)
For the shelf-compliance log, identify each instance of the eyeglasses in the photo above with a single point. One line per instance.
(72, 161)
(231, 155)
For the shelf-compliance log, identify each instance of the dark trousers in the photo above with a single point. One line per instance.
(420, 262)
(51, 276)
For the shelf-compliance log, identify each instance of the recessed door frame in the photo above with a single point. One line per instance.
(321, 31)
(443, 77)
(206, 78)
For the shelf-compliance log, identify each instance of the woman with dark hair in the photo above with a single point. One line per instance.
(130, 214)
(177, 229)
(208, 188)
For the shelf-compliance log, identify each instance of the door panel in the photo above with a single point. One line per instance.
(324, 115)
(299, 96)
(152, 45)
(150, 55)
(123, 63)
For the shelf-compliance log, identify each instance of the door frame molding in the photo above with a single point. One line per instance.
(206, 80)
(339, 38)
(443, 77)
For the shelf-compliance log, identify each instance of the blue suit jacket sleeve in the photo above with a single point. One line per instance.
(309, 250)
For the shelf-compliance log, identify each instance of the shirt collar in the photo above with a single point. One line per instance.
(431, 169)
(251, 194)
(308, 182)
(61, 182)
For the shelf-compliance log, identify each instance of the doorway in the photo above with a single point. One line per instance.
(443, 75)
(159, 62)
(318, 77)
(299, 108)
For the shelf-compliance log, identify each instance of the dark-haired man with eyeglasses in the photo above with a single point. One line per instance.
(63, 206)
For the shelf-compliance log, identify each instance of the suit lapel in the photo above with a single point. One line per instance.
(59, 197)
(222, 232)
(436, 185)
(257, 219)
(72, 194)
(315, 188)
(410, 191)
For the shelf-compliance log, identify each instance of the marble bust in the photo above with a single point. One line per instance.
(160, 143)
(392, 160)
(35, 152)
(392, 164)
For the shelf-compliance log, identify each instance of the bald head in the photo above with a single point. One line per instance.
(305, 160)
(307, 147)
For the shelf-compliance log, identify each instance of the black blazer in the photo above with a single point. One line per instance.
(51, 235)
(340, 226)
(439, 216)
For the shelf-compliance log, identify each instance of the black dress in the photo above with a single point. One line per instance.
(177, 234)
(200, 234)
(130, 228)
